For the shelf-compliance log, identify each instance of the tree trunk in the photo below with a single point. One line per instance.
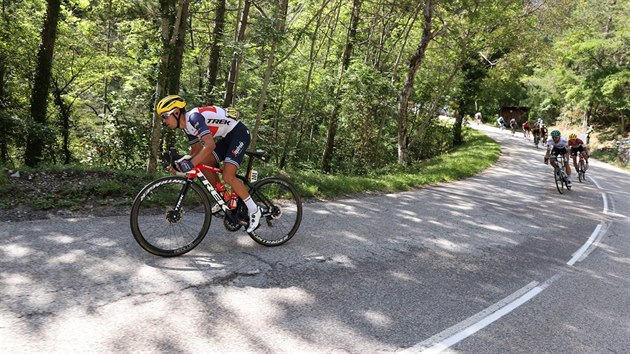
(173, 31)
(39, 98)
(345, 63)
(230, 86)
(177, 44)
(64, 117)
(215, 49)
(305, 99)
(280, 25)
(414, 63)
(4, 130)
(108, 46)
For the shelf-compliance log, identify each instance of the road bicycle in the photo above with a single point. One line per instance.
(581, 167)
(559, 175)
(171, 215)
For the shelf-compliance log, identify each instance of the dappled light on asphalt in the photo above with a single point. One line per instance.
(363, 274)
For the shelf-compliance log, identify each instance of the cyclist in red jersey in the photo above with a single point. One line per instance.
(577, 145)
(526, 129)
(201, 126)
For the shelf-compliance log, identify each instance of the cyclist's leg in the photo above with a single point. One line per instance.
(574, 157)
(236, 143)
(585, 154)
(552, 160)
(567, 167)
(229, 176)
(211, 161)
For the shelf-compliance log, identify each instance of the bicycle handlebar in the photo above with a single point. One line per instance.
(172, 157)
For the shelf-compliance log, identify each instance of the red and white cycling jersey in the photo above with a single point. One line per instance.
(575, 143)
(208, 120)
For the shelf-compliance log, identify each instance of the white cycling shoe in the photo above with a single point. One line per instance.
(254, 220)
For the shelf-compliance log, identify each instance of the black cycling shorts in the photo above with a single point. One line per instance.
(231, 149)
(574, 150)
(558, 151)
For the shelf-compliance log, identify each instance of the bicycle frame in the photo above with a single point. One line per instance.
(560, 161)
(197, 173)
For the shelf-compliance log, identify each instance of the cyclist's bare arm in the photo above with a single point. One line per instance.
(201, 152)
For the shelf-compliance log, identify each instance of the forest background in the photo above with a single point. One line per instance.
(334, 86)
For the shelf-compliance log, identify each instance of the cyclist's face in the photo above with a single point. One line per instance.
(555, 138)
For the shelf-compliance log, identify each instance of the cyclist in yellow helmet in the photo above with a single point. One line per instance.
(201, 125)
(577, 145)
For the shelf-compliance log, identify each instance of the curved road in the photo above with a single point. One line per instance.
(495, 263)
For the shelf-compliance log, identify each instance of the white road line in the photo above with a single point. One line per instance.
(585, 246)
(475, 323)
(603, 194)
(580, 254)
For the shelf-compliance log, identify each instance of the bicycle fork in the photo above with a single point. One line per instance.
(173, 216)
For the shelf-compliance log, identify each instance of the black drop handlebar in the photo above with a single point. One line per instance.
(171, 157)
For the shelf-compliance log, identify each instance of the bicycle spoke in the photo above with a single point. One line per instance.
(282, 211)
(162, 229)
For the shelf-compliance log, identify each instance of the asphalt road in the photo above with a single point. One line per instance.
(495, 263)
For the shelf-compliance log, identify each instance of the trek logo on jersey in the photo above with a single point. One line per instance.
(238, 149)
(219, 121)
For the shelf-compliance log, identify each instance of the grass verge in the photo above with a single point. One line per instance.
(475, 155)
(78, 187)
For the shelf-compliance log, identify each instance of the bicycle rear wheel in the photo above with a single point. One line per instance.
(557, 175)
(162, 228)
(281, 211)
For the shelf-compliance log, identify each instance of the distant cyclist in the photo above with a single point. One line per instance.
(526, 129)
(513, 125)
(536, 133)
(543, 132)
(577, 145)
(478, 118)
(558, 145)
(501, 123)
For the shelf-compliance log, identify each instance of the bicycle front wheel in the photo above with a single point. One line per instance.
(164, 228)
(281, 211)
(581, 171)
(559, 180)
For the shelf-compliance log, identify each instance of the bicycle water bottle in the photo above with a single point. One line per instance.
(222, 191)
(233, 201)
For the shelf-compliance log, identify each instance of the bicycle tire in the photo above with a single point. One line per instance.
(160, 229)
(282, 211)
(581, 171)
(559, 180)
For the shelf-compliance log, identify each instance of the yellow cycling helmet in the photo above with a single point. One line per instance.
(572, 136)
(169, 103)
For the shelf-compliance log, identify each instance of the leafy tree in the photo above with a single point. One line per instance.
(37, 128)
(416, 60)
